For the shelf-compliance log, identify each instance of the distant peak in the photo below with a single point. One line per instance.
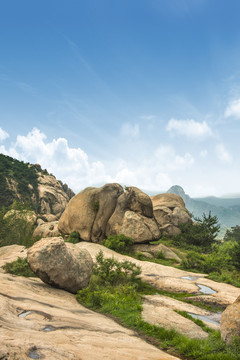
(178, 190)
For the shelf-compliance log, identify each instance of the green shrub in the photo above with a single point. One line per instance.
(161, 255)
(119, 243)
(73, 238)
(19, 267)
(113, 272)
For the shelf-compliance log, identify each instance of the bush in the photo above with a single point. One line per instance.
(119, 243)
(19, 267)
(113, 272)
(73, 238)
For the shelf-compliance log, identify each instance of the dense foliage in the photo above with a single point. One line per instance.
(73, 237)
(18, 181)
(119, 243)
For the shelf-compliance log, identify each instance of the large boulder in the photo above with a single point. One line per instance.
(230, 321)
(170, 211)
(89, 211)
(60, 264)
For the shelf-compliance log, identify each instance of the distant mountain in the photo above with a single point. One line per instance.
(33, 187)
(226, 210)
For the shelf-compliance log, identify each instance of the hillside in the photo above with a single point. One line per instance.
(226, 210)
(31, 186)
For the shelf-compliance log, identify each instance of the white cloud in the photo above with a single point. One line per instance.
(130, 130)
(189, 128)
(222, 154)
(71, 165)
(169, 160)
(3, 135)
(233, 109)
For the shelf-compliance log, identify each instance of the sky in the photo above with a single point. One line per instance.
(145, 93)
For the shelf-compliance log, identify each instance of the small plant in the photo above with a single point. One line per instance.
(96, 206)
(119, 243)
(73, 238)
(19, 267)
(161, 255)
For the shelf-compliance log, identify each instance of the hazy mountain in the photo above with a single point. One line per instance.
(227, 210)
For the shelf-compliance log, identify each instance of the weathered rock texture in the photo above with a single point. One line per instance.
(98, 212)
(170, 211)
(155, 249)
(53, 196)
(49, 323)
(46, 229)
(230, 322)
(60, 264)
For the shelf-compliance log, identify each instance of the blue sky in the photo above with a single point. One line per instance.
(140, 92)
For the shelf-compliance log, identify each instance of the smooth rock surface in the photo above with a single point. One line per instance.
(60, 264)
(230, 322)
(53, 325)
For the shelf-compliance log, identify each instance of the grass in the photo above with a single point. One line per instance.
(123, 301)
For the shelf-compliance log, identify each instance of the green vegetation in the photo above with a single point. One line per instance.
(201, 233)
(96, 206)
(18, 181)
(15, 227)
(19, 267)
(73, 238)
(119, 243)
(115, 289)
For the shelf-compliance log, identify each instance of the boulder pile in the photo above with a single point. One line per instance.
(96, 213)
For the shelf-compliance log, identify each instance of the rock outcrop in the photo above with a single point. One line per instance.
(170, 211)
(155, 249)
(98, 212)
(53, 196)
(60, 264)
(230, 322)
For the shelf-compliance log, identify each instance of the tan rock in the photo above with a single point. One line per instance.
(38, 320)
(88, 212)
(133, 217)
(26, 215)
(170, 211)
(47, 229)
(60, 264)
(53, 195)
(155, 249)
(230, 322)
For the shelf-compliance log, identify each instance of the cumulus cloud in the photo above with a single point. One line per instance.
(130, 130)
(71, 165)
(203, 154)
(3, 135)
(222, 154)
(233, 109)
(189, 128)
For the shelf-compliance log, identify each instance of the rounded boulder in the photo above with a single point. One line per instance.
(60, 264)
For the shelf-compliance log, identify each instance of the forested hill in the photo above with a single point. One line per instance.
(31, 186)
(226, 210)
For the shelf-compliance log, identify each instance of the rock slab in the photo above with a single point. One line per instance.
(60, 264)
